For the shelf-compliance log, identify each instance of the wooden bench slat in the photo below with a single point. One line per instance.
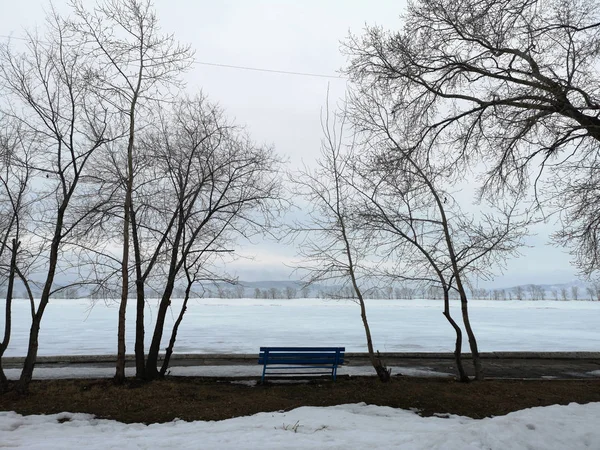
(299, 355)
(301, 362)
(282, 358)
(297, 371)
(302, 349)
(300, 367)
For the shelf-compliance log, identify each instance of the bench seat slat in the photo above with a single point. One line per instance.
(301, 362)
(321, 361)
(299, 367)
(299, 355)
(296, 373)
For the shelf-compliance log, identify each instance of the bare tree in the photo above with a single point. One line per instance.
(332, 249)
(49, 97)
(519, 293)
(564, 295)
(217, 186)
(590, 292)
(201, 184)
(290, 292)
(509, 84)
(15, 174)
(532, 289)
(240, 291)
(541, 293)
(134, 63)
(407, 197)
(575, 293)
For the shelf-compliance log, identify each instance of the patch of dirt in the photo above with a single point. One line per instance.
(193, 398)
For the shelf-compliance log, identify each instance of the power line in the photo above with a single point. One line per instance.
(232, 66)
(260, 69)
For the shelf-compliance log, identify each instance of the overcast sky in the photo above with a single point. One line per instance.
(283, 109)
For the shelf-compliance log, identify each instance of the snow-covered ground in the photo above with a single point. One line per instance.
(241, 326)
(355, 426)
(73, 327)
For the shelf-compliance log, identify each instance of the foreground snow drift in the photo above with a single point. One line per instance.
(343, 427)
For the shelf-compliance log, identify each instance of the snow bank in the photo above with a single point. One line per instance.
(345, 427)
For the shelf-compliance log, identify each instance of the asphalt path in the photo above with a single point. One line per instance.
(503, 365)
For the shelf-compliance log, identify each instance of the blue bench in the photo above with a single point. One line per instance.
(301, 360)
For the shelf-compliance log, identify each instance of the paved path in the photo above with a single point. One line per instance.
(525, 365)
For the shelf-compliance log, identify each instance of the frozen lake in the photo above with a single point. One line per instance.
(73, 327)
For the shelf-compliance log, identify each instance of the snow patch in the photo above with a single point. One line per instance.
(356, 426)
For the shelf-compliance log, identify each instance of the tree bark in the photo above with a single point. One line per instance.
(462, 376)
(140, 357)
(8, 313)
(152, 361)
(455, 270)
(119, 377)
(169, 350)
(383, 373)
(22, 386)
(472, 340)
(127, 207)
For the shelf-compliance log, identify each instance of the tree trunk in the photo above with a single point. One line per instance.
(8, 313)
(455, 270)
(22, 386)
(472, 341)
(119, 377)
(382, 371)
(140, 362)
(462, 376)
(127, 207)
(32, 348)
(3, 379)
(169, 351)
(152, 361)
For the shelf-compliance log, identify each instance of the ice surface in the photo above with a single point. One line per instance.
(354, 426)
(73, 327)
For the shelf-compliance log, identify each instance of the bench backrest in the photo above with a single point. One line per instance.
(302, 355)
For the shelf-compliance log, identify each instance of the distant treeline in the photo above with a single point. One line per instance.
(525, 292)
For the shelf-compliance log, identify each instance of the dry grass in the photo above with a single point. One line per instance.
(192, 398)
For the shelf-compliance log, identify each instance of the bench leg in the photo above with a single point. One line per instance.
(262, 379)
(334, 372)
